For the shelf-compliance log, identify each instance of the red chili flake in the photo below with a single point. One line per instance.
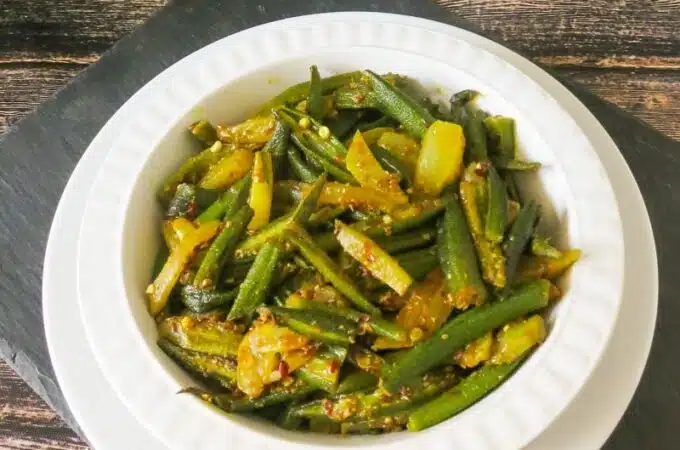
(283, 368)
(334, 366)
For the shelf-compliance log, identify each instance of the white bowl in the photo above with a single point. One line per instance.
(225, 82)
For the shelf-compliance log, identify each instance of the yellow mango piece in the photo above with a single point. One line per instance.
(361, 163)
(228, 170)
(441, 157)
(256, 131)
(516, 338)
(261, 190)
(476, 352)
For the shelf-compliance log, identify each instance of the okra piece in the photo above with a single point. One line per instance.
(355, 95)
(204, 132)
(374, 325)
(497, 207)
(326, 215)
(382, 122)
(378, 262)
(300, 91)
(390, 163)
(537, 267)
(395, 103)
(463, 329)
(359, 406)
(316, 133)
(515, 164)
(188, 200)
(275, 395)
(379, 424)
(323, 371)
(277, 146)
(502, 131)
(254, 288)
(289, 421)
(475, 133)
(407, 241)
(191, 170)
(321, 161)
(329, 270)
(518, 238)
(229, 202)
(419, 263)
(513, 191)
(458, 258)
(222, 248)
(228, 170)
(315, 96)
(318, 325)
(399, 221)
(343, 123)
(517, 338)
(207, 335)
(458, 102)
(213, 367)
(300, 215)
(540, 246)
(300, 167)
(464, 394)
(200, 300)
(356, 382)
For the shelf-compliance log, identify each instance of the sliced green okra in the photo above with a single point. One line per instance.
(315, 96)
(318, 325)
(229, 202)
(200, 300)
(458, 258)
(299, 92)
(277, 146)
(357, 381)
(222, 248)
(188, 200)
(395, 103)
(407, 241)
(540, 246)
(254, 289)
(502, 132)
(304, 171)
(518, 238)
(458, 102)
(323, 371)
(329, 270)
(191, 170)
(463, 329)
(218, 368)
(517, 165)
(374, 325)
(419, 263)
(475, 133)
(464, 394)
(207, 335)
(390, 163)
(343, 123)
(204, 132)
(361, 405)
(497, 207)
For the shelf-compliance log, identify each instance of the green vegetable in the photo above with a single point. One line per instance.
(300, 167)
(540, 246)
(419, 263)
(191, 170)
(323, 371)
(206, 335)
(497, 207)
(329, 270)
(466, 393)
(229, 202)
(299, 92)
(222, 248)
(315, 97)
(458, 102)
(357, 381)
(463, 329)
(458, 258)
(187, 201)
(254, 289)
(316, 324)
(413, 117)
(200, 300)
(218, 368)
(475, 133)
(502, 131)
(277, 146)
(390, 163)
(518, 238)
(204, 132)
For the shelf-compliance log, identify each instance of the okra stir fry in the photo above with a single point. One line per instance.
(353, 258)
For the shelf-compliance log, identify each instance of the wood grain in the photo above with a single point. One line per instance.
(626, 51)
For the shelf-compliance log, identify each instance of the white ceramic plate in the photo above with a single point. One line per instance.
(544, 383)
(586, 424)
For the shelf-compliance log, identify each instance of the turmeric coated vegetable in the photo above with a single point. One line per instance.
(353, 259)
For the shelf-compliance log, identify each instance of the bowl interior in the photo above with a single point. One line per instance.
(239, 99)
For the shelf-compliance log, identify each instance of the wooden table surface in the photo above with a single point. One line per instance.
(626, 51)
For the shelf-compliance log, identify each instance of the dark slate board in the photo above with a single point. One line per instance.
(38, 155)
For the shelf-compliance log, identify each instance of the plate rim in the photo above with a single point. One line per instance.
(280, 23)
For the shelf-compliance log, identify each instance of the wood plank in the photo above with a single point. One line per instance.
(79, 28)
(26, 422)
(592, 30)
(653, 97)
